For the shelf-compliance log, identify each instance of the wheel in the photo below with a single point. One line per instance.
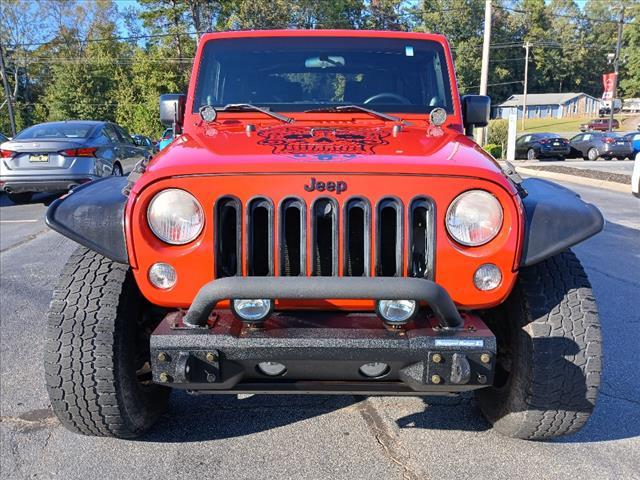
(549, 353)
(531, 154)
(116, 171)
(20, 198)
(592, 154)
(97, 350)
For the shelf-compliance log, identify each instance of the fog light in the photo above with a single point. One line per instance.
(252, 310)
(162, 275)
(272, 369)
(487, 277)
(374, 369)
(396, 311)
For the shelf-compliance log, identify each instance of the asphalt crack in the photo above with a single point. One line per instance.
(390, 443)
(25, 240)
(31, 421)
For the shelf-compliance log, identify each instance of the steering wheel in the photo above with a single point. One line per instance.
(395, 96)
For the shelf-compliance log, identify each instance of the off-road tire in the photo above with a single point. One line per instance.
(549, 342)
(20, 198)
(91, 355)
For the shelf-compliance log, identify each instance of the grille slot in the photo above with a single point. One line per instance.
(389, 238)
(292, 238)
(324, 226)
(357, 234)
(421, 238)
(260, 237)
(228, 237)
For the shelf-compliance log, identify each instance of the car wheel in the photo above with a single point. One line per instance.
(592, 154)
(97, 364)
(116, 171)
(20, 198)
(549, 357)
(531, 154)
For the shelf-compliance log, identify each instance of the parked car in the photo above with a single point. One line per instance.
(635, 177)
(56, 156)
(604, 111)
(256, 260)
(167, 138)
(146, 143)
(599, 125)
(542, 145)
(594, 145)
(634, 138)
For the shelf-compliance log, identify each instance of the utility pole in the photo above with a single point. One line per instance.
(484, 73)
(7, 93)
(527, 45)
(616, 67)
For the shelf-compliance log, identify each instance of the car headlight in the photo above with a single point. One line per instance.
(175, 216)
(474, 218)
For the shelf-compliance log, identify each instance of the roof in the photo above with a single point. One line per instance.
(542, 99)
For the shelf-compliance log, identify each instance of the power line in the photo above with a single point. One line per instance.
(583, 17)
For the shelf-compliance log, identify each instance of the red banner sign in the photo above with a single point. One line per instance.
(608, 82)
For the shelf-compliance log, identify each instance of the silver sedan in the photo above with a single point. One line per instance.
(56, 156)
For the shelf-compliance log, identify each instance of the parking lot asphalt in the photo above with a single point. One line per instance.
(624, 167)
(336, 437)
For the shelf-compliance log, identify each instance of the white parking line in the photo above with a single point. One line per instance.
(19, 221)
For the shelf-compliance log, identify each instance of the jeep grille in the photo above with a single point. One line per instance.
(246, 233)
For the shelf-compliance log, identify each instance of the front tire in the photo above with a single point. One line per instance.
(549, 353)
(97, 348)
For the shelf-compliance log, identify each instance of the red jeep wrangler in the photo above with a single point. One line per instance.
(323, 223)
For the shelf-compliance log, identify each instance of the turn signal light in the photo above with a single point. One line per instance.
(79, 152)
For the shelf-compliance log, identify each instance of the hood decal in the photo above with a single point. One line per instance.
(322, 144)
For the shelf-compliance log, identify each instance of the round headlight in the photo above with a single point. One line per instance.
(474, 218)
(175, 216)
(396, 311)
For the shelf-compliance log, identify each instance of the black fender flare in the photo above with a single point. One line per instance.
(93, 216)
(556, 218)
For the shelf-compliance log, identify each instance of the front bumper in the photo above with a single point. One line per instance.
(206, 350)
(42, 183)
(322, 352)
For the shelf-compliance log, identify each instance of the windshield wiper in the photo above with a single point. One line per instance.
(247, 107)
(358, 108)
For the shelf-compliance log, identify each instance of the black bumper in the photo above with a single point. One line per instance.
(51, 184)
(322, 352)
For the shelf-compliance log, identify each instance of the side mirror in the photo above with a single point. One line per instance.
(172, 106)
(476, 111)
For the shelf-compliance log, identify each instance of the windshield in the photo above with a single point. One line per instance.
(56, 130)
(303, 73)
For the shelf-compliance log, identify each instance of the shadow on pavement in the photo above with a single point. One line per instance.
(42, 198)
(214, 417)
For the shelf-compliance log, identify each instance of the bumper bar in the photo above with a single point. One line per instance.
(322, 352)
(312, 288)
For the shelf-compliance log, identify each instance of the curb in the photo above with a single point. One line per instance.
(592, 182)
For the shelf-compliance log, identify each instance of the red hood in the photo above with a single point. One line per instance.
(339, 148)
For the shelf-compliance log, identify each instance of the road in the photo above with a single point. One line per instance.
(336, 437)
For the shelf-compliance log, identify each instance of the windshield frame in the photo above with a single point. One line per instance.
(455, 117)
